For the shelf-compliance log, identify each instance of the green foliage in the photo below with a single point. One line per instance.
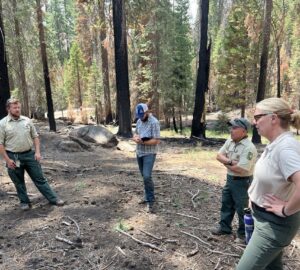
(75, 76)
(233, 59)
(221, 125)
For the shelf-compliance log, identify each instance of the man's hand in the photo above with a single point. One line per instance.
(37, 157)
(274, 204)
(11, 164)
(136, 138)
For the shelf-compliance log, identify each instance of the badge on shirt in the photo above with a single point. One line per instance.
(250, 155)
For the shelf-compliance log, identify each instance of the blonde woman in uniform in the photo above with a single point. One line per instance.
(275, 191)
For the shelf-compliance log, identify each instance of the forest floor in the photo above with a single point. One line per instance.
(102, 189)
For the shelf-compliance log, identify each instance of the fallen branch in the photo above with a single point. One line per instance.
(78, 229)
(217, 265)
(64, 240)
(193, 252)
(184, 215)
(121, 250)
(151, 235)
(193, 197)
(141, 242)
(196, 237)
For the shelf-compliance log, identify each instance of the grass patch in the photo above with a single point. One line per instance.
(80, 186)
(122, 226)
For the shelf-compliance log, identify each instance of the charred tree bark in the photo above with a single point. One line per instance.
(121, 66)
(105, 68)
(263, 60)
(198, 125)
(4, 79)
(51, 118)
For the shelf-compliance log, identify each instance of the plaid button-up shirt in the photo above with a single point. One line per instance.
(149, 129)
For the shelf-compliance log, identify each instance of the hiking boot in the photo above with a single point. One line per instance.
(218, 231)
(142, 201)
(150, 208)
(24, 206)
(59, 202)
(240, 239)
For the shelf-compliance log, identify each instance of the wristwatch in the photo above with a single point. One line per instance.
(229, 162)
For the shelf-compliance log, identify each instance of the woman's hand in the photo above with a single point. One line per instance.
(274, 204)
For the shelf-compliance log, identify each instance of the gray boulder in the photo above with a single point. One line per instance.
(95, 134)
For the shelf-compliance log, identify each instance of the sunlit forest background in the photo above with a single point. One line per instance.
(162, 44)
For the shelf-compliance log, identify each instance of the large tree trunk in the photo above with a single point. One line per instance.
(51, 118)
(198, 125)
(104, 58)
(25, 99)
(4, 80)
(263, 60)
(121, 63)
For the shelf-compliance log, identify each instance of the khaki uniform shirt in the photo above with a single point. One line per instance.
(279, 161)
(244, 152)
(17, 135)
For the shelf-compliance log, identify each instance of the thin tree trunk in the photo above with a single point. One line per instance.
(198, 125)
(278, 71)
(25, 99)
(174, 120)
(78, 85)
(121, 66)
(50, 115)
(263, 60)
(4, 80)
(104, 58)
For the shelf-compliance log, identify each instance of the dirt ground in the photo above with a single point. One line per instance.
(102, 189)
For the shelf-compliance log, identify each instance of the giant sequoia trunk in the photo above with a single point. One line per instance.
(121, 63)
(104, 58)
(4, 81)
(263, 61)
(198, 124)
(51, 118)
(25, 99)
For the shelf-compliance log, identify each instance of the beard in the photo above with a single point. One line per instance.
(15, 115)
(145, 118)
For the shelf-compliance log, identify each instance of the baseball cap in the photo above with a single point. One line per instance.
(140, 110)
(240, 122)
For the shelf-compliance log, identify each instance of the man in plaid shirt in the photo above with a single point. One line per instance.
(146, 137)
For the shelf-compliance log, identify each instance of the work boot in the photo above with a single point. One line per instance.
(218, 231)
(59, 202)
(24, 206)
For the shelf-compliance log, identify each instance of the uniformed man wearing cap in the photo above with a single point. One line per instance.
(238, 155)
(17, 136)
(146, 137)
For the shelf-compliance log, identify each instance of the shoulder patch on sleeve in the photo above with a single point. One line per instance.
(250, 155)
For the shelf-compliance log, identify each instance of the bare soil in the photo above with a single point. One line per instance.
(102, 189)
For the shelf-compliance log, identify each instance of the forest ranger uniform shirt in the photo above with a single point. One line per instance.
(149, 129)
(244, 152)
(17, 135)
(279, 161)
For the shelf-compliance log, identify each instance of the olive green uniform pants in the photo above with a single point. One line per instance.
(33, 168)
(271, 234)
(234, 199)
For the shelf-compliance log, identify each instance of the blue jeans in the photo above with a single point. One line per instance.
(146, 165)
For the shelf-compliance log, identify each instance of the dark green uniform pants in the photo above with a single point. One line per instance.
(33, 168)
(271, 234)
(234, 199)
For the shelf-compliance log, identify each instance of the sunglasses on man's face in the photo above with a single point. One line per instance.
(258, 116)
